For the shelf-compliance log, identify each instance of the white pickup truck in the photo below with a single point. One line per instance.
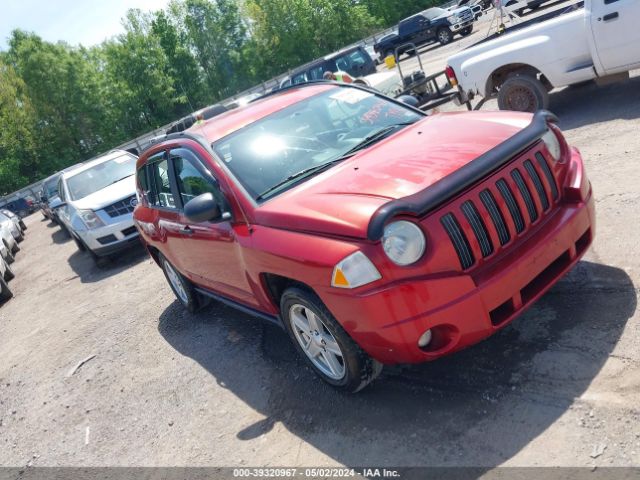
(594, 39)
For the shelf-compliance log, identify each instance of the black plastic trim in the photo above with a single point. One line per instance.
(443, 190)
(238, 306)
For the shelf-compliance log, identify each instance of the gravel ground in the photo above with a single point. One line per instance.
(558, 387)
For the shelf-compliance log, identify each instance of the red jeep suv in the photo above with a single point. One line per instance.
(372, 233)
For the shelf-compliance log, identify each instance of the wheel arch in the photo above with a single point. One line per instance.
(274, 286)
(501, 74)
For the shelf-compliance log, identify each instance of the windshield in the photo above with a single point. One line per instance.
(100, 176)
(309, 134)
(434, 13)
(51, 187)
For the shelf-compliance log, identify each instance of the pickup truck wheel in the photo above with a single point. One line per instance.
(22, 225)
(5, 291)
(466, 31)
(444, 36)
(15, 248)
(182, 288)
(8, 273)
(523, 93)
(19, 237)
(324, 344)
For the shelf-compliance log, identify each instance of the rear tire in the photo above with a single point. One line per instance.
(181, 286)
(15, 248)
(523, 93)
(8, 273)
(323, 344)
(20, 237)
(444, 36)
(5, 291)
(23, 226)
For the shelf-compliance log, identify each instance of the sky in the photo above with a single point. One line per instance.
(86, 22)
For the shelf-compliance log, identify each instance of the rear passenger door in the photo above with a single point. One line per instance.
(210, 252)
(160, 193)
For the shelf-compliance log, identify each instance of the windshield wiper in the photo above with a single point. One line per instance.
(373, 138)
(307, 172)
(120, 179)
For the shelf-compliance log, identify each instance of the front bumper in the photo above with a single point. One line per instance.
(462, 309)
(111, 238)
(456, 27)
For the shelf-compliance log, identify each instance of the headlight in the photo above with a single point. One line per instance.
(90, 219)
(354, 271)
(553, 144)
(403, 242)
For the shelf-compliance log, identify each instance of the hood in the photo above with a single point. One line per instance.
(108, 195)
(454, 11)
(341, 200)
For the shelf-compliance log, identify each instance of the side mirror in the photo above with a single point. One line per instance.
(202, 208)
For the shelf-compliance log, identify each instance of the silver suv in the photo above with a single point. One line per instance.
(98, 199)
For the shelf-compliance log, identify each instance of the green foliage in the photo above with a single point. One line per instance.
(60, 104)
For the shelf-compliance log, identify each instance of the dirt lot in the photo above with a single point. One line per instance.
(557, 387)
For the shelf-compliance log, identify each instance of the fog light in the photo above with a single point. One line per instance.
(425, 339)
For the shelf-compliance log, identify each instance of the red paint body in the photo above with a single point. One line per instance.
(304, 232)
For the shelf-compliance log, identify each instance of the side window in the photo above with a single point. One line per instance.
(190, 179)
(143, 181)
(316, 73)
(161, 185)
(61, 190)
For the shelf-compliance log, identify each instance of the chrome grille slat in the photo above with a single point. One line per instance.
(496, 216)
(526, 194)
(548, 175)
(122, 207)
(537, 183)
(512, 205)
(478, 227)
(459, 240)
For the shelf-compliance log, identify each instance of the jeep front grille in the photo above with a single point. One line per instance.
(493, 218)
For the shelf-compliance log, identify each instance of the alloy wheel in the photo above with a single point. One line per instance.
(176, 282)
(317, 342)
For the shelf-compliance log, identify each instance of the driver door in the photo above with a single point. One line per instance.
(211, 252)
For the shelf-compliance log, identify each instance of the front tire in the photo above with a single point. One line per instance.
(15, 248)
(182, 287)
(8, 273)
(9, 258)
(323, 343)
(19, 238)
(523, 93)
(466, 31)
(5, 291)
(444, 36)
(23, 226)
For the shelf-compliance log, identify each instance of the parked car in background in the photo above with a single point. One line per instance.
(98, 199)
(9, 241)
(21, 207)
(6, 275)
(373, 233)
(433, 24)
(14, 227)
(50, 200)
(19, 223)
(5, 251)
(569, 46)
(520, 6)
(353, 60)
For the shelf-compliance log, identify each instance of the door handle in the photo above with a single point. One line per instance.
(186, 231)
(610, 16)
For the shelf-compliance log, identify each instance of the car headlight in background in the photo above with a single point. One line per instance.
(354, 271)
(403, 242)
(90, 219)
(553, 144)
